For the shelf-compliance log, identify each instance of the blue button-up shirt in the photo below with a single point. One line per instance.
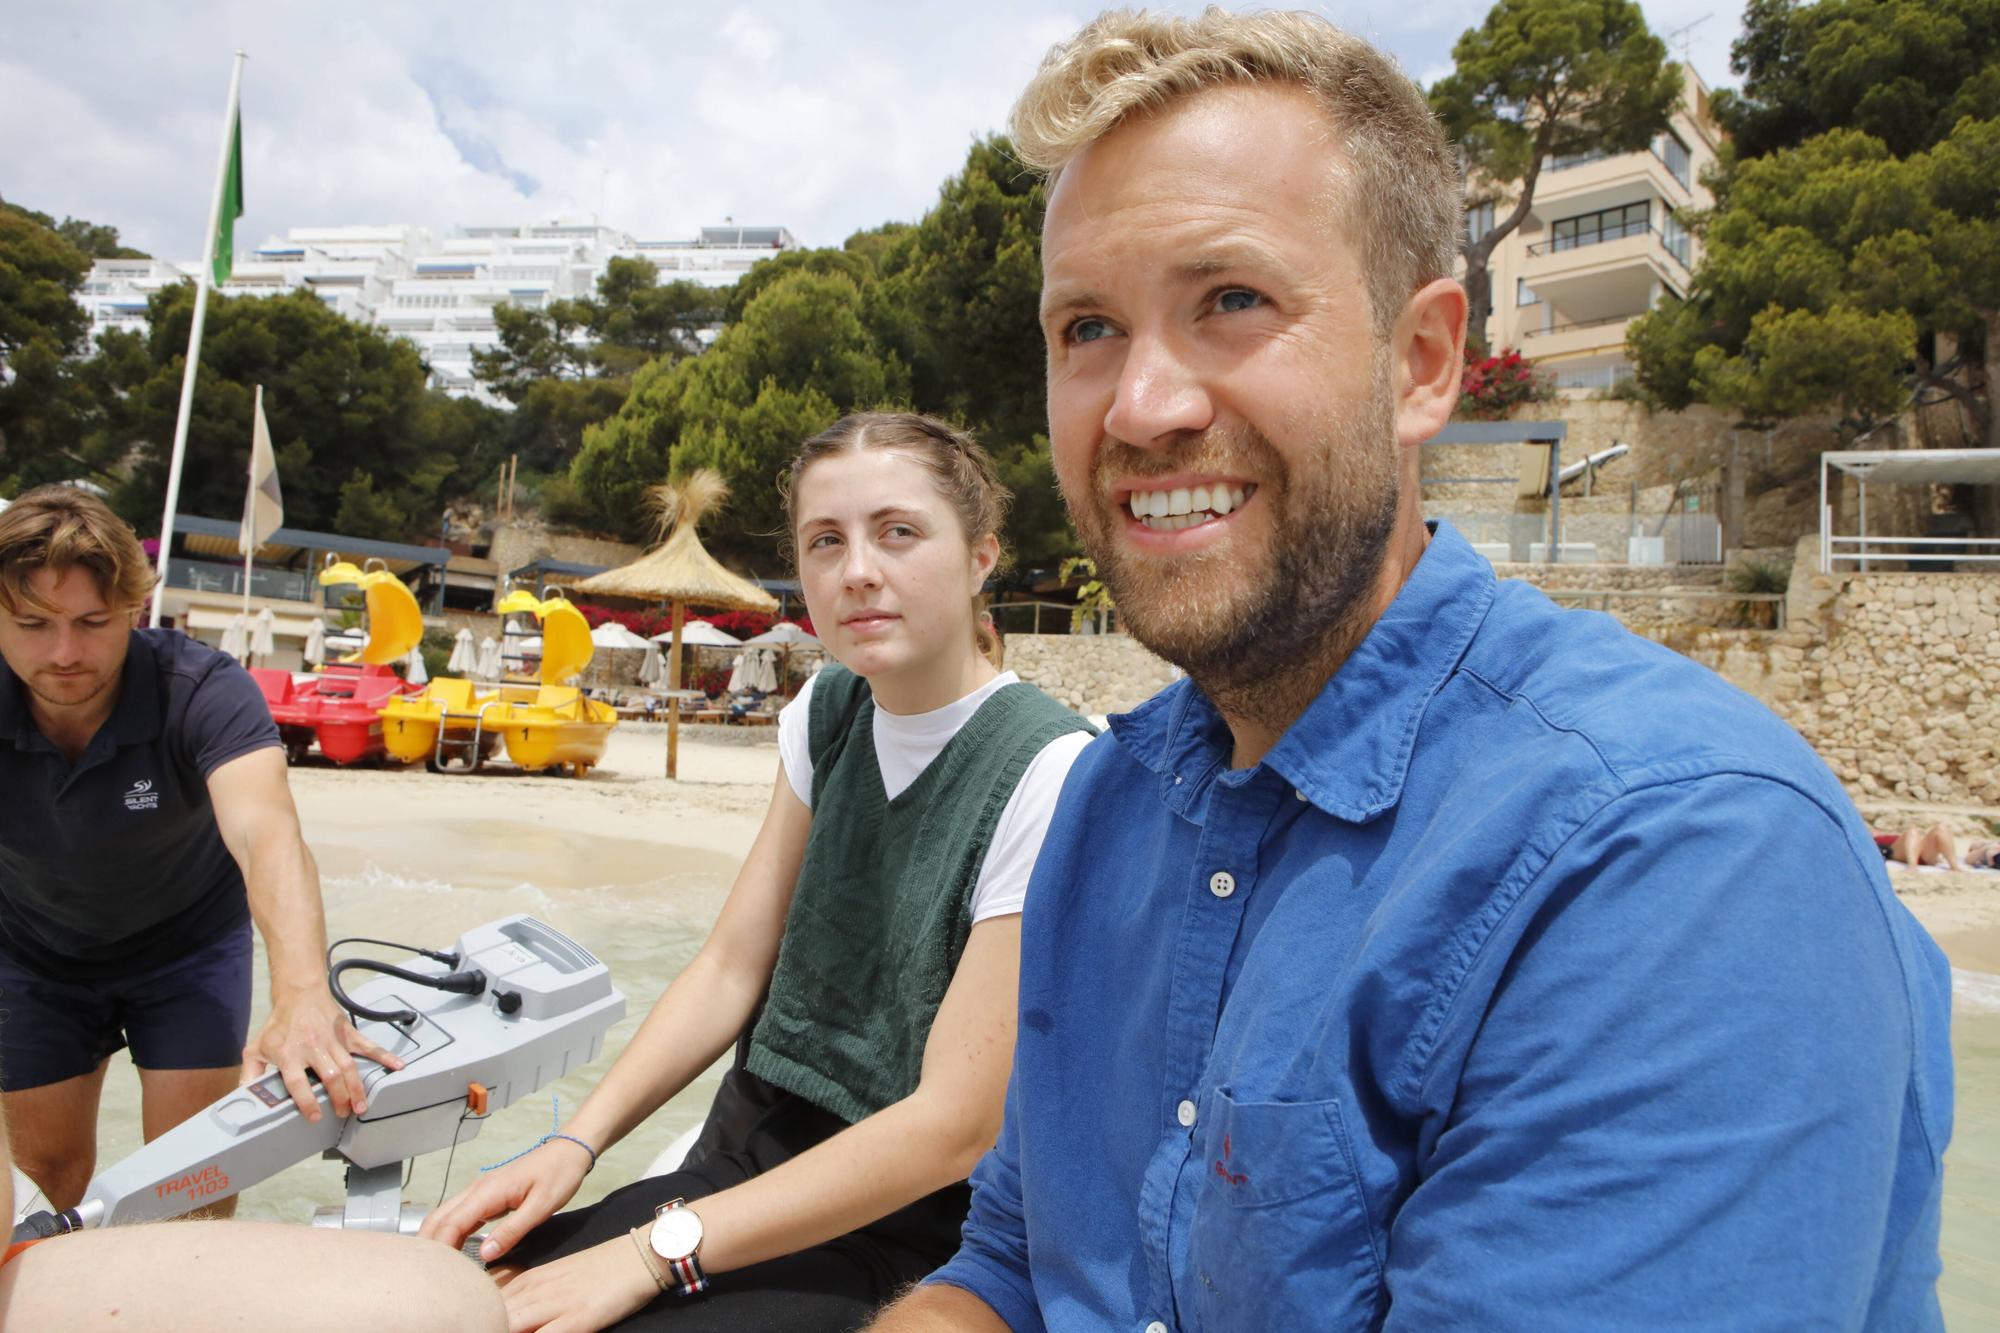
(1535, 978)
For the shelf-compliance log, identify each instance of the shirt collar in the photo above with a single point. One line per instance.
(1349, 752)
(136, 718)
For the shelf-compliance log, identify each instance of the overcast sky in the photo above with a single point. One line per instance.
(821, 115)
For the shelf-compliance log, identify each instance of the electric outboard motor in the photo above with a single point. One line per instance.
(513, 1007)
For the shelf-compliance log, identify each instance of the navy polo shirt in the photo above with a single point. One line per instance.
(114, 865)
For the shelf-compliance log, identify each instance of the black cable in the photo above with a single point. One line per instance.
(469, 982)
(449, 959)
(445, 1187)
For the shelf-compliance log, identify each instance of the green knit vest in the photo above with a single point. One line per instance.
(883, 904)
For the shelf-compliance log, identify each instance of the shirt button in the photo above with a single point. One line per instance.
(1185, 1114)
(1156, 1327)
(1299, 792)
(1222, 884)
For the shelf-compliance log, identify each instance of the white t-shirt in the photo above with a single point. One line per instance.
(904, 748)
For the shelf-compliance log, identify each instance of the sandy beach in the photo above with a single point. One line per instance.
(635, 867)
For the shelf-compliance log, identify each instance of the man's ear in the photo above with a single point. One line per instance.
(1427, 349)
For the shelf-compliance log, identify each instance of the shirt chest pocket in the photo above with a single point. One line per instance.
(1280, 1236)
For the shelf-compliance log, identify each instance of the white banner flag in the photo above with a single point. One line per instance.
(264, 505)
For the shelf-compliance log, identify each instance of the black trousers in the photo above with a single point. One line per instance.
(834, 1287)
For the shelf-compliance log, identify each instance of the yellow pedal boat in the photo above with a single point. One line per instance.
(542, 726)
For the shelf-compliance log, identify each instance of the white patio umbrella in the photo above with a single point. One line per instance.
(414, 670)
(489, 666)
(464, 657)
(700, 634)
(316, 640)
(767, 671)
(652, 667)
(236, 637)
(783, 635)
(263, 633)
(611, 634)
(736, 674)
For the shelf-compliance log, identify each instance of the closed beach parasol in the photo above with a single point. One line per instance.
(464, 657)
(263, 633)
(652, 668)
(315, 642)
(489, 666)
(679, 571)
(236, 637)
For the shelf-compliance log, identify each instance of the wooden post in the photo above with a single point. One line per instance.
(673, 700)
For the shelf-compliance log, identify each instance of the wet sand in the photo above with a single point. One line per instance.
(635, 868)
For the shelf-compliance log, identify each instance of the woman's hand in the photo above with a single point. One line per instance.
(526, 1191)
(588, 1290)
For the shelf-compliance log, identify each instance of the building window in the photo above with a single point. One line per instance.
(1478, 221)
(1609, 224)
(1524, 294)
(1675, 237)
(1670, 150)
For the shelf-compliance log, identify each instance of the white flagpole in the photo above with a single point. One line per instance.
(256, 415)
(201, 282)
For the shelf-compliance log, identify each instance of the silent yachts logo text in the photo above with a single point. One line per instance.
(142, 796)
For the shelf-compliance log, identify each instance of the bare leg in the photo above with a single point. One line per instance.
(1907, 848)
(52, 1132)
(169, 1096)
(1941, 848)
(246, 1276)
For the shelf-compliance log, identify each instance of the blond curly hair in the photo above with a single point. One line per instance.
(1400, 179)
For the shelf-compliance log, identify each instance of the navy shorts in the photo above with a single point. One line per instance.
(193, 1013)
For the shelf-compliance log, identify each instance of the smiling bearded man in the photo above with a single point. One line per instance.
(1432, 956)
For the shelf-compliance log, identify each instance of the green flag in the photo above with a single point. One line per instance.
(232, 205)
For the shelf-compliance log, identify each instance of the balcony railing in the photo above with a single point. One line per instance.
(1566, 325)
(213, 576)
(1676, 249)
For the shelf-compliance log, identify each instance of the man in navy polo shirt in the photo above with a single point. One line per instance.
(1431, 957)
(145, 821)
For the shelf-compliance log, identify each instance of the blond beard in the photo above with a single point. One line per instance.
(1263, 649)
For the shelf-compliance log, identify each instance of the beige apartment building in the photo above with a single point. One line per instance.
(1601, 246)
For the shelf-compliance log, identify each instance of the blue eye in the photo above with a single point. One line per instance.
(820, 541)
(1088, 329)
(1238, 298)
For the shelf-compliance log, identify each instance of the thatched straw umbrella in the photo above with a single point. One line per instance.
(679, 571)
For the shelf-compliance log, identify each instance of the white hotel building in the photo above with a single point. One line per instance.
(438, 294)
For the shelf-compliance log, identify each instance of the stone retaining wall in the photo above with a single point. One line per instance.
(1090, 673)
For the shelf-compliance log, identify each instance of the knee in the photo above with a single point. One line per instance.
(62, 1177)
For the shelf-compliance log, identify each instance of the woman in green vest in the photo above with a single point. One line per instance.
(867, 954)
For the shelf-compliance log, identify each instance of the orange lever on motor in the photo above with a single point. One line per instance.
(475, 1098)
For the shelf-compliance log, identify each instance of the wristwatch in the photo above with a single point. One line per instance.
(676, 1237)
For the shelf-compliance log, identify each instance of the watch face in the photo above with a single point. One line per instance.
(676, 1233)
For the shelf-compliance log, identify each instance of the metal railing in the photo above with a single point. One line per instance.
(1569, 324)
(213, 576)
(1865, 549)
(1617, 232)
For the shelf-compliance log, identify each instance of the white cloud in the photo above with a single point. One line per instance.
(825, 118)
